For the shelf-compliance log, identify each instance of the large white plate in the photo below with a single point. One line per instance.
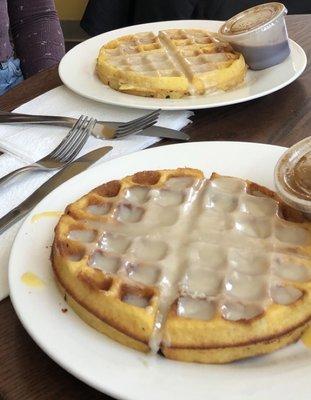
(117, 370)
(77, 71)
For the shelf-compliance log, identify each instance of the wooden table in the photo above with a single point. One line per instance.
(282, 118)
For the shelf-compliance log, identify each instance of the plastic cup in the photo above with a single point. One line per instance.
(260, 34)
(292, 176)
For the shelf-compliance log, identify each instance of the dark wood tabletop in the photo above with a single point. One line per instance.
(283, 118)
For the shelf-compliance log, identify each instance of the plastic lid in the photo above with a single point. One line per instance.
(253, 18)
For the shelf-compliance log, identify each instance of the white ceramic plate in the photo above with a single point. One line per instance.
(111, 367)
(77, 71)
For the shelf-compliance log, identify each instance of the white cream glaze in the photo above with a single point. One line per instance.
(103, 261)
(114, 243)
(207, 244)
(167, 197)
(291, 267)
(246, 287)
(197, 309)
(145, 274)
(135, 300)
(128, 213)
(200, 283)
(137, 194)
(248, 261)
(285, 295)
(236, 311)
(98, 209)
(82, 235)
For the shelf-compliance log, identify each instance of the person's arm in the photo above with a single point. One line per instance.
(5, 45)
(37, 35)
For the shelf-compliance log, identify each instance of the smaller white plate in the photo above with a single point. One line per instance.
(77, 71)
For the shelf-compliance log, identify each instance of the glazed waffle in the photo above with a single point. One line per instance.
(176, 63)
(206, 270)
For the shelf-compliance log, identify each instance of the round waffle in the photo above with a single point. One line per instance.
(206, 270)
(172, 64)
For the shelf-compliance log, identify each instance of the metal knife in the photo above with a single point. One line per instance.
(98, 131)
(72, 169)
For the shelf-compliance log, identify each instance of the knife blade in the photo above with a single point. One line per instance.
(98, 132)
(72, 169)
(165, 133)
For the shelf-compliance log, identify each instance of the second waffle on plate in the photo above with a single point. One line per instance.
(203, 270)
(172, 64)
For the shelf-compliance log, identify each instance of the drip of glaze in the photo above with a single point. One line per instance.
(46, 214)
(31, 279)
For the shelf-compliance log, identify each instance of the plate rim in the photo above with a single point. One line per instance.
(38, 340)
(139, 105)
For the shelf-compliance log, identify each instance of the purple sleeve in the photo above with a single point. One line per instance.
(6, 50)
(37, 35)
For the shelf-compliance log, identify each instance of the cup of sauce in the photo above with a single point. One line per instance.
(260, 34)
(292, 176)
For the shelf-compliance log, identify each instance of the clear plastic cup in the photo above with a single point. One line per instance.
(292, 176)
(260, 34)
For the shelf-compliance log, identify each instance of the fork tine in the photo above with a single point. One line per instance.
(134, 129)
(133, 125)
(142, 118)
(87, 129)
(67, 139)
(133, 132)
(137, 126)
(75, 136)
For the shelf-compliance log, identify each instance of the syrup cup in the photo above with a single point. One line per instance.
(260, 34)
(292, 176)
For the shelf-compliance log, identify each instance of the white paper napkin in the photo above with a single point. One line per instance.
(37, 141)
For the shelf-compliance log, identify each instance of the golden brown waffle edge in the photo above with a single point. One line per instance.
(174, 64)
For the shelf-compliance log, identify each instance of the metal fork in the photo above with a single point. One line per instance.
(109, 130)
(64, 153)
